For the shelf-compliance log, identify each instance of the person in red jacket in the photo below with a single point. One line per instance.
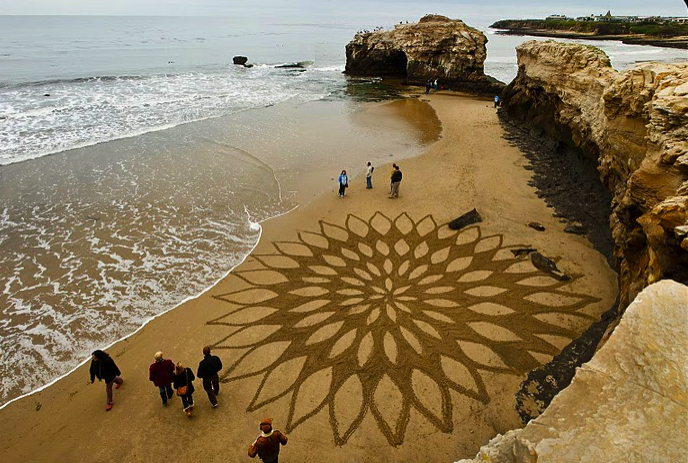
(161, 373)
(267, 445)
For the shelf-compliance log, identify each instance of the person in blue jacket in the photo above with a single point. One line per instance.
(343, 184)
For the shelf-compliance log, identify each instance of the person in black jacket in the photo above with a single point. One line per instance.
(208, 370)
(396, 181)
(105, 369)
(183, 383)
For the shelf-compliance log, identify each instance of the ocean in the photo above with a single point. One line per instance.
(137, 162)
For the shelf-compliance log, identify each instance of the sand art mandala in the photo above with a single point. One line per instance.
(385, 316)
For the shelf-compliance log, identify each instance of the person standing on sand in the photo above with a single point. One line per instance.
(267, 445)
(391, 174)
(343, 184)
(369, 176)
(105, 369)
(497, 102)
(161, 373)
(428, 86)
(396, 181)
(208, 369)
(183, 383)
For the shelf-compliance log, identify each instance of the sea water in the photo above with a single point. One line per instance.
(135, 162)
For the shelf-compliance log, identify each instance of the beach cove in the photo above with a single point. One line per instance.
(343, 324)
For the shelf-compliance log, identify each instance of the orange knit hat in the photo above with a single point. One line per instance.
(267, 421)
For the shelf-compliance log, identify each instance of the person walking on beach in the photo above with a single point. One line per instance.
(105, 369)
(396, 181)
(343, 184)
(428, 86)
(208, 369)
(369, 176)
(497, 102)
(267, 445)
(183, 383)
(161, 373)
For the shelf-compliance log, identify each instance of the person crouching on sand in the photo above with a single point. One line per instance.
(105, 369)
(267, 445)
(183, 383)
(208, 369)
(343, 184)
(161, 373)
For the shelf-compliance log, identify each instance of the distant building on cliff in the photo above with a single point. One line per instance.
(557, 17)
(610, 18)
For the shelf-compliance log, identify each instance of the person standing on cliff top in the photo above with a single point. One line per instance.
(267, 445)
(105, 369)
(369, 176)
(396, 181)
(208, 369)
(161, 373)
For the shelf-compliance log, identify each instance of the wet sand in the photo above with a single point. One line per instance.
(366, 328)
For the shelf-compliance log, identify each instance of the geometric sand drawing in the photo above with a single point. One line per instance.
(382, 316)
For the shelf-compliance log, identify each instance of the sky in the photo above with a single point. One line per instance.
(497, 9)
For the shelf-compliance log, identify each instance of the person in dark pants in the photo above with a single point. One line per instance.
(183, 383)
(161, 373)
(105, 369)
(369, 176)
(428, 86)
(208, 369)
(396, 181)
(343, 183)
(267, 445)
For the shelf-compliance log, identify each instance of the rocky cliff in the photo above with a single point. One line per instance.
(434, 48)
(634, 126)
(629, 404)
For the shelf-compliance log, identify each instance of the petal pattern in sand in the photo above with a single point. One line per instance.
(390, 316)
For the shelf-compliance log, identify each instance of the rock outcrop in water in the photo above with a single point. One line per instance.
(627, 405)
(634, 126)
(434, 48)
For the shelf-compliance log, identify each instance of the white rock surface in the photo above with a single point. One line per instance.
(628, 404)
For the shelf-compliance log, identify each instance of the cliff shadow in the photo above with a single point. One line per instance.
(568, 181)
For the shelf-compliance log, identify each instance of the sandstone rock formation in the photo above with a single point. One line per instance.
(434, 48)
(629, 404)
(634, 126)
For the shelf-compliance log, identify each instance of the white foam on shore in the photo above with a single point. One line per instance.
(257, 226)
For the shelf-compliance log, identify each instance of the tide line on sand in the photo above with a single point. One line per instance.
(257, 225)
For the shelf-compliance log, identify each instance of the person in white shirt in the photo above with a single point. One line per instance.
(369, 176)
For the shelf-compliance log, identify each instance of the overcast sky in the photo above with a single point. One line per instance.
(403, 8)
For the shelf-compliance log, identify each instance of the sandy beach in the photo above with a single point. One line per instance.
(365, 327)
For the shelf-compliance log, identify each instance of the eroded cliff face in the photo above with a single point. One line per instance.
(634, 126)
(434, 48)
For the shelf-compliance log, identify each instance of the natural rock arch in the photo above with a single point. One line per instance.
(434, 48)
